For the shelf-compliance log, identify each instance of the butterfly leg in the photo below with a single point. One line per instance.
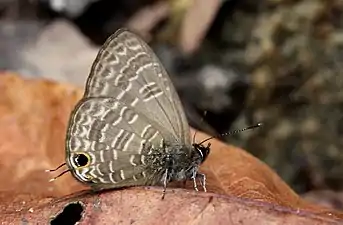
(202, 179)
(195, 181)
(165, 177)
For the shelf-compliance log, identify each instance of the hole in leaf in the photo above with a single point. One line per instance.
(70, 215)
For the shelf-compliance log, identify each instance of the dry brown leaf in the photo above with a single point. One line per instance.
(144, 206)
(33, 119)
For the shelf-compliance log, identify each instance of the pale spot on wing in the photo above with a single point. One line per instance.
(98, 170)
(110, 165)
(92, 158)
(132, 158)
(145, 130)
(115, 154)
(134, 118)
(122, 175)
(153, 136)
(144, 67)
(141, 146)
(91, 171)
(128, 141)
(102, 180)
(101, 156)
(116, 138)
(110, 175)
(152, 96)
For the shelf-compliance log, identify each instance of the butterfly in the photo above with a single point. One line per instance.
(129, 128)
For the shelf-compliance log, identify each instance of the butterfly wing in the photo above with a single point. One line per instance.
(128, 70)
(116, 139)
(129, 109)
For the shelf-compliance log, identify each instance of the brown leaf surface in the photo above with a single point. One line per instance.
(33, 119)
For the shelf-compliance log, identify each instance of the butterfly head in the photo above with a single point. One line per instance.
(202, 150)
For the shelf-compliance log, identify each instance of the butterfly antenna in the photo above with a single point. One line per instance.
(201, 121)
(61, 174)
(53, 170)
(233, 132)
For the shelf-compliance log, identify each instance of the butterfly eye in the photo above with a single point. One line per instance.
(81, 159)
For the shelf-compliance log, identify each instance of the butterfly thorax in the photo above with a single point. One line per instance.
(177, 162)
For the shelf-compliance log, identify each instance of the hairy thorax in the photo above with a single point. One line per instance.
(177, 162)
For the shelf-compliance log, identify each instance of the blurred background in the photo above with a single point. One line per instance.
(241, 61)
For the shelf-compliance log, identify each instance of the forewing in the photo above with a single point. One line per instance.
(128, 70)
(117, 139)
